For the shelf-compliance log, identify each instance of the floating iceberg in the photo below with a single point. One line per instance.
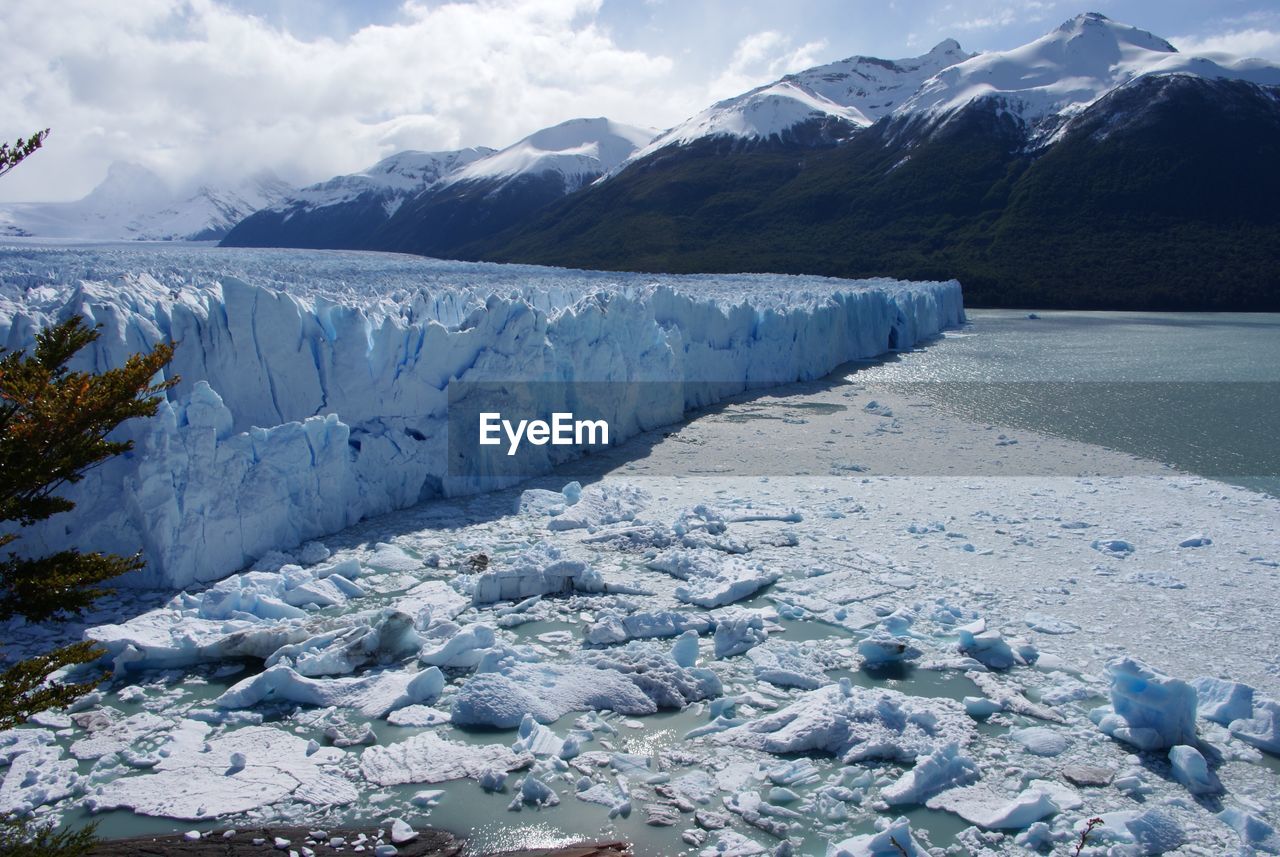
(854, 723)
(1191, 769)
(945, 768)
(542, 571)
(1222, 701)
(373, 695)
(428, 758)
(1148, 709)
(1262, 730)
(548, 692)
(894, 841)
(273, 765)
(979, 805)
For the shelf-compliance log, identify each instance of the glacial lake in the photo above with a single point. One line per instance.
(1197, 391)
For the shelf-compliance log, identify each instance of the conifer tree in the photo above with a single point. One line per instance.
(53, 427)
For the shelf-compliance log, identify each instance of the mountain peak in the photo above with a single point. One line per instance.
(1048, 81)
(945, 48)
(578, 149)
(1095, 25)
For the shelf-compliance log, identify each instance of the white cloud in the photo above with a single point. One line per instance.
(194, 88)
(1242, 43)
(977, 15)
(761, 58)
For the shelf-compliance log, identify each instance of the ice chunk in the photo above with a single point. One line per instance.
(613, 627)
(1046, 624)
(1007, 698)
(1222, 701)
(541, 571)
(492, 780)
(166, 638)
(115, 736)
(389, 637)
(712, 579)
(548, 692)
(1190, 769)
(420, 716)
(534, 792)
(538, 502)
(1040, 741)
(203, 785)
(1262, 730)
(1148, 709)
(37, 775)
(1155, 831)
(667, 683)
(685, 650)
(855, 723)
(601, 504)
(537, 739)
(372, 695)
(1113, 547)
(733, 585)
(788, 664)
(463, 650)
(730, 843)
(979, 805)
(401, 832)
(895, 840)
(431, 599)
(736, 634)
(882, 648)
(1196, 541)
(987, 646)
(944, 768)
(428, 758)
(1252, 830)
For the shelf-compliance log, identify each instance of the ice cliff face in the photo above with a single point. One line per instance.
(308, 403)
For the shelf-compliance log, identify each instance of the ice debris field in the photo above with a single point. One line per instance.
(837, 664)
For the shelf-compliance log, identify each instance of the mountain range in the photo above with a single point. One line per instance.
(1094, 167)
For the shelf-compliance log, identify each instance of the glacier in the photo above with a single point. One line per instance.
(315, 385)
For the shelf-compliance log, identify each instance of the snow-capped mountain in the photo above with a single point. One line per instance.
(506, 188)
(578, 150)
(1060, 74)
(842, 97)
(435, 202)
(393, 178)
(1094, 167)
(133, 203)
(344, 211)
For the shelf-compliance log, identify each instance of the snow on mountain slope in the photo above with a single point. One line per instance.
(874, 87)
(316, 386)
(1060, 74)
(579, 150)
(133, 203)
(210, 212)
(855, 91)
(396, 177)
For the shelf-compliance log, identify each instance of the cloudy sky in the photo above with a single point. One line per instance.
(312, 88)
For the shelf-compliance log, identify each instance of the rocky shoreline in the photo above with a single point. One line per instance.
(269, 840)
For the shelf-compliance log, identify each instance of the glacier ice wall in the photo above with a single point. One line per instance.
(315, 385)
